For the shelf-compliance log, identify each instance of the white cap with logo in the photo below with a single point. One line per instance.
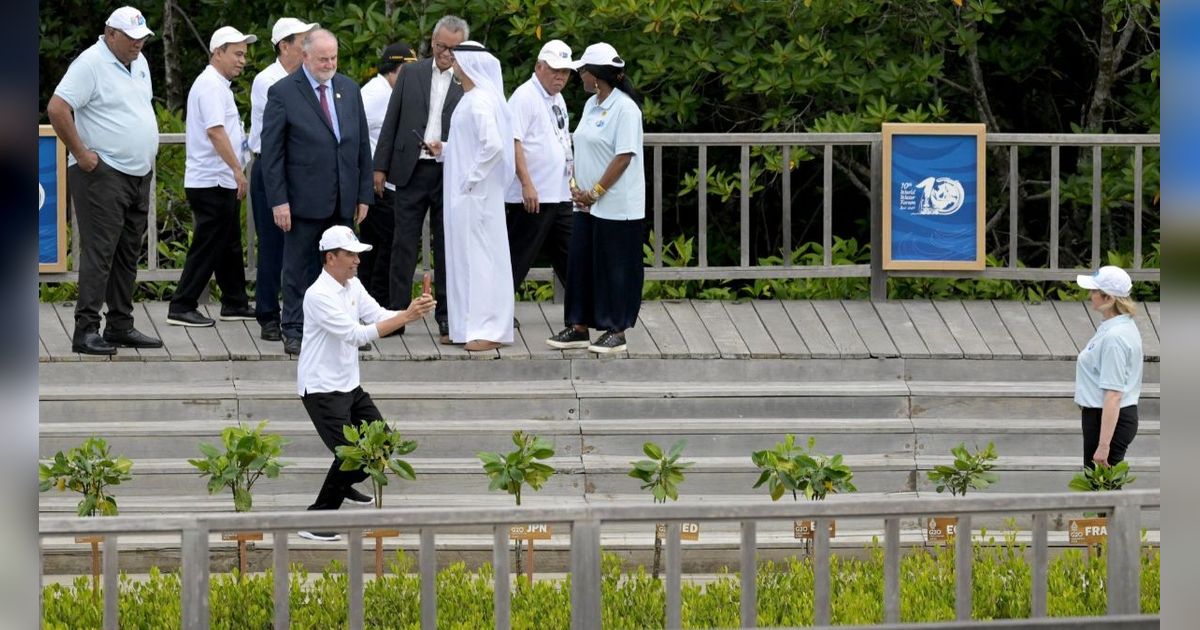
(129, 21)
(1109, 279)
(600, 54)
(342, 237)
(229, 35)
(287, 26)
(557, 55)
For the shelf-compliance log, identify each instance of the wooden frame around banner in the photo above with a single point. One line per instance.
(979, 130)
(60, 160)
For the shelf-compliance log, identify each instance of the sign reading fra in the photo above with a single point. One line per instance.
(1087, 531)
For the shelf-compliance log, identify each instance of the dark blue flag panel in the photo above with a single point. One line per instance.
(934, 198)
(51, 205)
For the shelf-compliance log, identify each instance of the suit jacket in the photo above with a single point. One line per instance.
(304, 164)
(408, 108)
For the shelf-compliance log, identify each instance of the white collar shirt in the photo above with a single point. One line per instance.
(333, 330)
(542, 125)
(210, 104)
(258, 100)
(375, 96)
(439, 87)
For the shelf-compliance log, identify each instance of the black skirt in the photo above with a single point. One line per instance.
(604, 273)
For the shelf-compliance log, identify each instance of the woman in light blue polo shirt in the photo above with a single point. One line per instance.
(604, 263)
(1108, 373)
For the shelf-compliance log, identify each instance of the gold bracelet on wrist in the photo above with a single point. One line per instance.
(598, 190)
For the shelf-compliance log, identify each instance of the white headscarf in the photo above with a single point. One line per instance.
(483, 69)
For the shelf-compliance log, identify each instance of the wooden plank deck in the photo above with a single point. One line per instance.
(683, 329)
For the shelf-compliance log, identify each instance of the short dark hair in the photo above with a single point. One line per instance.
(325, 255)
(291, 39)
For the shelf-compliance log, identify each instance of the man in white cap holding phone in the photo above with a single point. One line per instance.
(538, 202)
(286, 37)
(327, 373)
(215, 183)
(102, 111)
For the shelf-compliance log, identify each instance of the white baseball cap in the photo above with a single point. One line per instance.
(130, 21)
(600, 54)
(1109, 279)
(342, 237)
(288, 26)
(557, 55)
(229, 35)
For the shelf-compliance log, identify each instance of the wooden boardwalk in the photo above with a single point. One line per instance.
(696, 329)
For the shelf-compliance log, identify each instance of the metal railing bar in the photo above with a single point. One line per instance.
(658, 193)
(674, 570)
(880, 508)
(501, 602)
(427, 565)
(1097, 167)
(1124, 531)
(194, 592)
(282, 591)
(827, 205)
(821, 591)
(354, 567)
(891, 570)
(749, 570)
(759, 139)
(585, 574)
(787, 205)
(1004, 273)
(877, 274)
(111, 584)
(1054, 191)
(744, 231)
(702, 204)
(1040, 563)
(964, 554)
(1137, 207)
(1012, 206)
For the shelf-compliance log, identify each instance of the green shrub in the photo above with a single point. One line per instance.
(90, 470)
(249, 454)
(1001, 590)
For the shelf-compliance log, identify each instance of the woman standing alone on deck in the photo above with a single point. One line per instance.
(1108, 373)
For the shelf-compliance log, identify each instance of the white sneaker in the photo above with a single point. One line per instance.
(322, 536)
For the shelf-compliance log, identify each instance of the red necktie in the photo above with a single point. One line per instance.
(325, 105)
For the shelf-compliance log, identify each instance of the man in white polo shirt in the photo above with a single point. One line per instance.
(215, 184)
(286, 36)
(538, 202)
(102, 111)
(327, 373)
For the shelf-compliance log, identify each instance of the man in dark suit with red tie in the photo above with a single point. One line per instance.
(316, 156)
(423, 99)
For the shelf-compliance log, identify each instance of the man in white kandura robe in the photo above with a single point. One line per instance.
(479, 164)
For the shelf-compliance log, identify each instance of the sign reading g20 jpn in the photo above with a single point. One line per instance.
(933, 196)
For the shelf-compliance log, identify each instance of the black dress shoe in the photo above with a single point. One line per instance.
(130, 339)
(291, 345)
(191, 318)
(271, 331)
(91, 342)
(236, 313)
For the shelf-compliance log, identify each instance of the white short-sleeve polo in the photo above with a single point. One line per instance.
(541, 123)
(210, 104)
(113, 111)
(1112, 360)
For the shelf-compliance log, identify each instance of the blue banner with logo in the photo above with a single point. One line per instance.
(52, 203)
(934, 196)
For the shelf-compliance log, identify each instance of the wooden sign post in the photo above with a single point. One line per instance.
(94, 541)
(530, 532)
(379, 535)
(242, 538)
(941, 528)
(687, 531)
(1092, 532)
(805, 530)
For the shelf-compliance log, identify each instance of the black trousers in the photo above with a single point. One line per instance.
(269, 254)
(1127, 425)
(301, 266)
(216, 249)
(329, 413)
(604, 273)
(111, 212)
(422, 194)
(375, 266)
(530, 234)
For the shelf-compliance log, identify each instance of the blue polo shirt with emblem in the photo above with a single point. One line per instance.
(606, 130)
(113, 111)
(1112, 360)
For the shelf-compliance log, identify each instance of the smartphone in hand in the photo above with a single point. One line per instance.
(421, 139)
